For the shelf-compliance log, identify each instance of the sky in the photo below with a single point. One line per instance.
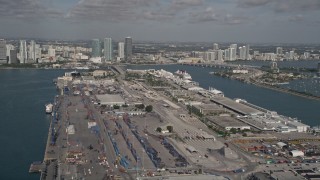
(255, 21)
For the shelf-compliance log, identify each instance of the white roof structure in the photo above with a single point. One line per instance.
(70, 129)
(296, 153)
(281, 144)
(191, 149)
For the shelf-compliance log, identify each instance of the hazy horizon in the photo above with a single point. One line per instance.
(247, 21)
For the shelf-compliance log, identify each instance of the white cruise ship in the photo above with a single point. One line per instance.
(183, 74)
(49, 108)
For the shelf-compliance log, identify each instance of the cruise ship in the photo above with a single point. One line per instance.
(49, 108)
(183, 74)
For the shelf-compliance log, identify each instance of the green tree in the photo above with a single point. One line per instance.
(233, 130)
(170, 129)
(140, 106)
(149, 108)
(158, 129)
(116, 107)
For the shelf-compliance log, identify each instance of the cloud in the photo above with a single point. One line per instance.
(253, 3)
(27, 9)
(208, 15)
(113, 10)
(130, 10)
(297, 5)
(282, 6)
(219, 16)
(296, 18)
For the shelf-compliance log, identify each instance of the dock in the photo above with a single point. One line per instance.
(37, 167)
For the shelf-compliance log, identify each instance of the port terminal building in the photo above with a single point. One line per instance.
(261, 118)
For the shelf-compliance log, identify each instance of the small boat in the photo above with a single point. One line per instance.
(49, 108)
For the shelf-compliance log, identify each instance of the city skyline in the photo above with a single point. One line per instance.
(252, 21)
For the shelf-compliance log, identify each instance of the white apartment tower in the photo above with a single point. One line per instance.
(3, 51)
(121, 50)
(23, 51)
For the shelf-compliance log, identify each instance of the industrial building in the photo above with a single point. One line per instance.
(235, 106)
(228, 123)
(100, 73)
(207, 109)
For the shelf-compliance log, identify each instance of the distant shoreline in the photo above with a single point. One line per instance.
(279, 89)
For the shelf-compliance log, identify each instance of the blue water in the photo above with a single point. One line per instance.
(304, 109)
(24, 124)
(282, 64)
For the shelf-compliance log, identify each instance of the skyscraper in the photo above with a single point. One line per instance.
(227, 54)
(215, 46)
(108, 49)
(3, 52)
(128, 49)
(9, 47)
(23, 51)
(279, 50)
(220, 55)
(248, 52)
(121, 50)
(13, 57)
(233, 52)
(32, 52)
(291, 55)
(242, 52)
(96, 48)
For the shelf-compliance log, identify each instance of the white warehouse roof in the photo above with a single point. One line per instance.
(296, 153)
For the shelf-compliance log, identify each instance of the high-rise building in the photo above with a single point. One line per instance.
(233, 52)
(291, 55)
(306, 55)
(209, 56)
(51, 52)
(215, 46)
(128, 49)
(227, 54)
(37, 52)
(96, 48)
(23, 51)
(242, 52)
(220, 55)
(248, 52)
(32, 51)
(108, 49)
(3, 52)
(9, 47)
(121, 50)
(279, 50)
(13, 57)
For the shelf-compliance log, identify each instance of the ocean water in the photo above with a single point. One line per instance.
(282, 64)
(24, 124)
